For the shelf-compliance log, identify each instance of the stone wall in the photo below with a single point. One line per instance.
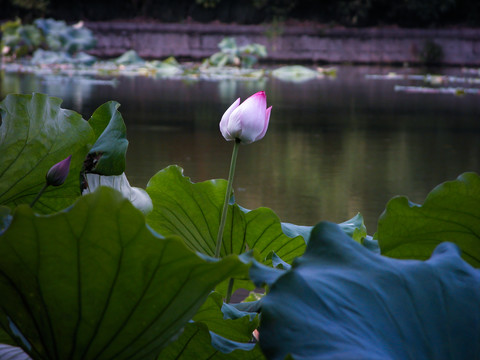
(301, 44)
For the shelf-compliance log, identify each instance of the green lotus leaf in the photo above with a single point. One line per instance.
(197, 342)
(225, 320)
(94, 281)
(36, 134)
(342, 301)
(107, 156)
(451, 212)
(193, 211)
(5, 338)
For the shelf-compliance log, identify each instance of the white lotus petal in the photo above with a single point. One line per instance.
(138, 197)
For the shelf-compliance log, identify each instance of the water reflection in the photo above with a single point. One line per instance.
(334, 147)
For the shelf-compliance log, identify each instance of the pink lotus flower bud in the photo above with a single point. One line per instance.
(58, 173)
(247, 121)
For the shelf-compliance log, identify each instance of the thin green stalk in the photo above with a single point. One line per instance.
(228, 193)
(229, 290)
(38, 195)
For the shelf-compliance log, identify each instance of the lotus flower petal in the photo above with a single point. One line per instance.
(224, 121)
(138, 197)
(248, 121)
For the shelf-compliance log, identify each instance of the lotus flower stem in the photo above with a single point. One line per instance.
(228, 194)
(39, 194)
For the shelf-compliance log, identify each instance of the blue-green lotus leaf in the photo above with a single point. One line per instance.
(451, 212)
(94, 281)
(8, 352)
(354, 227)
(342, 301)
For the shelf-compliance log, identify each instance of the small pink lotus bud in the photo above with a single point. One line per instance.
(248, 121)
(58, 173)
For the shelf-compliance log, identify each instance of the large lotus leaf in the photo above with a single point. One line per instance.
(186, 209)
(94, 281)
(225, 320)
(451, 212)
(264, 233)
(342, 301)
(107, 156)
(197, 342)
(193, 211)
(5, 338)
(36, 134)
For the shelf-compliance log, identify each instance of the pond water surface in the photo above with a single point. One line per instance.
(335, 146)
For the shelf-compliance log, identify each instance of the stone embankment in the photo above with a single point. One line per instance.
(299, 44)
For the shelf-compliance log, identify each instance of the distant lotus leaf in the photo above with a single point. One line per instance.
(48, 57)
(129, 57)
(61, 37)
(95, 282)
(342, 301)
(164, 68)
(451, 212)
(295, 73)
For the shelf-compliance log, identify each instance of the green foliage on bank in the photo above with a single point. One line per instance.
(44, 34)
(410, 13)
